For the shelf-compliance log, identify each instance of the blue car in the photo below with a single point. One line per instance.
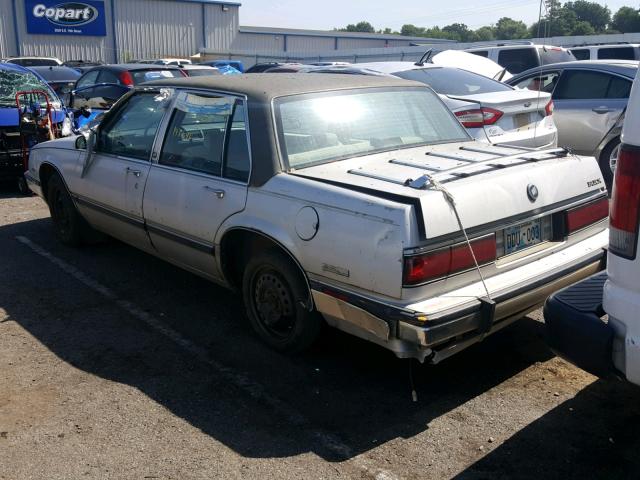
(13, 79)
(225, 63)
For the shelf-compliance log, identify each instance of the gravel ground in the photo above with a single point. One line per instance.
(114, 364)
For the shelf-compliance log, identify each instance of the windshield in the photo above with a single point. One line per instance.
(14, 82)
(320, 128)
(452, 81)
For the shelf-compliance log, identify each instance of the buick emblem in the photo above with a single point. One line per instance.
(532, 192)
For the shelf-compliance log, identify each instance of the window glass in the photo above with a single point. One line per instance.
(141, 76)
(452, 81)
(481, 53)
(582, 84)
(131, 131)
(100, 97)
(195, 137)
(544, 82)
(517, 60)
(237, 163)
(12, 82)
(107, 76)
(581, 53)
(619, 88)
(616, 53)
(319, 128)
(90, 78)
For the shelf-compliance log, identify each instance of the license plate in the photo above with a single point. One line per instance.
(523, 236)
(522, 120)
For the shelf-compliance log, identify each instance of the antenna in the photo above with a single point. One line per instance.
(424, 58)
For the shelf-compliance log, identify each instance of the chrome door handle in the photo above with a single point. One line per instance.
(136, 173)
(601, 110)
(218, 193)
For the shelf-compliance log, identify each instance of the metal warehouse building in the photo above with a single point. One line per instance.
(121, 30)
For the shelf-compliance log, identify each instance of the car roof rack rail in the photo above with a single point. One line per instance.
(500, 43)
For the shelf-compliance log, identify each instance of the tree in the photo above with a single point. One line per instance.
(485, 33)
(410, 30)
(596, 15)
(626, 20)
(359, 27)
(583, 28)
(460, 32)
(510, 29)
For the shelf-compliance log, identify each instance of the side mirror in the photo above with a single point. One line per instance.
(81, 143)
(90, 145)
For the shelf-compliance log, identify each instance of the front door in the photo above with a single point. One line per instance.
(110, 191)
(199, 179)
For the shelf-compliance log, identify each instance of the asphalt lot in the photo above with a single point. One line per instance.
(114, 364)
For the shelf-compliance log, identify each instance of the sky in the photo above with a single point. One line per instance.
(327, 14)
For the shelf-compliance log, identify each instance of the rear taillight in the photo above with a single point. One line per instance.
(478, 117)
(446, 261)
(585, 215)
(126, 79)
(548, 110)
(625, 204)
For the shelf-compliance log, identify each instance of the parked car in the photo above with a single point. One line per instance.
(61, 79)
(238, 65)
(35, 61)
(82, 65)
(100, 87)
(595, 323)
(287, 68)
(624, 51)
(13, 79)
(344, 198)
(590, 99)
(199, 70)
(470, 62)
(517, 57)
(491, 111)
(261, 67)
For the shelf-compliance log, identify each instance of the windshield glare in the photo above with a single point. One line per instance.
(14, 82)
(320, 128)
(452, 81)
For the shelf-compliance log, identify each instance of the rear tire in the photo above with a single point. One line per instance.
(23, 187)
(605, 162)
(70, 228)
(276, 298)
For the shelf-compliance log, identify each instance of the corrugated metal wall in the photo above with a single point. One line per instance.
(221, 25)
(258, 42)
(7, 34)
(62, 46)
(309, 44)
(345, 43)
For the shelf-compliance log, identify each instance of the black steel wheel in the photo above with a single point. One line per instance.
(276, 299)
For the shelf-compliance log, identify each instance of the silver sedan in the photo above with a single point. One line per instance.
(590, 99)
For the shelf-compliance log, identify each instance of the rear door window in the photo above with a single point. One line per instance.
(619, 88)
(107, 76)
(517, 60)
(583, 85)
(616, 53)
(581, 53)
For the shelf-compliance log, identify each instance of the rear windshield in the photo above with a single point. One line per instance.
(14, 82)
(324, 127)
(452, 81)
(141, 76)
(202, 72)
(555, 55)
(616, 53)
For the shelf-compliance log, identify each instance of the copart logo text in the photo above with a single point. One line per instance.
(69, 14)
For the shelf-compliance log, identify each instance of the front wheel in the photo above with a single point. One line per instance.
(276, 299)
(67, 222)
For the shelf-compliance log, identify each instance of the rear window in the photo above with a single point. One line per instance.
(141, 76)
(324, 127)
(616, 53)
(581, 53)
(517, 60)
(554, 55)
(34, 62)
(452, 81)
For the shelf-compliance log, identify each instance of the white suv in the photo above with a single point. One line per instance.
(575, 317)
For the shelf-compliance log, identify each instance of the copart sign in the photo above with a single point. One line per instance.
(53, 17)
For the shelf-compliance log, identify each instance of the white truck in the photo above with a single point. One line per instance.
(595, 323)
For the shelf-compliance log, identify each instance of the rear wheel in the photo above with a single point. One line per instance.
(276, 298)
(607, 161)
(68, 225)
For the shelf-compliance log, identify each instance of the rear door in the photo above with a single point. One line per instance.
(587, 105)
(200, 178)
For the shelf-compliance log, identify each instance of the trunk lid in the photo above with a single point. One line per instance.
(489, 183)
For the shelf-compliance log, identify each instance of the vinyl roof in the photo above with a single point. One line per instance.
(265, 86)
